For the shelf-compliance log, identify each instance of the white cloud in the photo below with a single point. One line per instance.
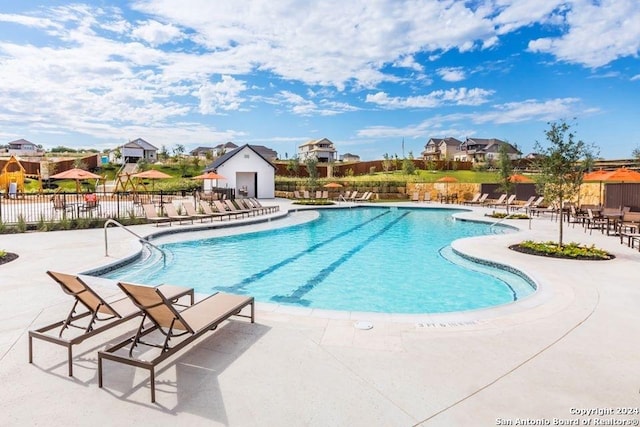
(597, 33)
(224, 95)
(451, 74)
(155, 33)
(459, 123)
(462, 96)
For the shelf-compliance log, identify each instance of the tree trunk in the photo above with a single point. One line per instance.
(561, 216)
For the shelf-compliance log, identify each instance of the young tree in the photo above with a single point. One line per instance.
(293, 165)
(408, 167)
(386, 163)
(636, 153)
(505, 170)
(312, 169)
(562, 165)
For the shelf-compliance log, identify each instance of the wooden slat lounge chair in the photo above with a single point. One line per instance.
(222, 208)
(173, 214)
(245, 205)
(193, 213)
(481, 200)
(206, 208)
(99, 316)
(474, 200)
(152, 214)
(232, 208)
(366, 197)
(181, 328)
(508, 202)
(499, 201)
(270, 208)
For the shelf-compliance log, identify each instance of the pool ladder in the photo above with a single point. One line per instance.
(140, 238)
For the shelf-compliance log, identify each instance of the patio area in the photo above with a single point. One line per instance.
(572, 346)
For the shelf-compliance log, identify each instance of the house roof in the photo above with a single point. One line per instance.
(21, 141)
(487, 145)
(225, 145)
(318, 141)
(200, 150)
(225, 157)
(450, 141)
(142, 144)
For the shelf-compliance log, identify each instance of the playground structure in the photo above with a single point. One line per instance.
(12, 178)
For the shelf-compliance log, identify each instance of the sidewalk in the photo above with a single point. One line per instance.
(571, 345)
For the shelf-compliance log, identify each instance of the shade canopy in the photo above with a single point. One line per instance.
(209, 175)
(333, 185)
(151, 174)
(598, 175)
(447, 179)
(76, 174)
(622, 175)
(518, 179)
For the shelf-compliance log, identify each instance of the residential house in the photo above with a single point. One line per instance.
(322, 149)
(246, 171)
(222, 149)
(441, 148)
(201, 152)
(266, 152)
(481, 150)
(134, 151)
(24, 148)
(348, 157)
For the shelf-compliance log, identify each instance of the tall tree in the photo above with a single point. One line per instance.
(562, 165)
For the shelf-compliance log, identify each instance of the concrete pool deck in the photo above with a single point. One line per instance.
(572, 346)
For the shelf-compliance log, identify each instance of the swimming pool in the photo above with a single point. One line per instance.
(390, 260)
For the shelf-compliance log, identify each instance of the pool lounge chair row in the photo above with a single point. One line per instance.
(165, 322)
(219, 209)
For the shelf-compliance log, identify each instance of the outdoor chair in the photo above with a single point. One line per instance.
(593, 221)
(190, 208)
(222, 208)
(415, 196)
(152, 214)
(499, 201)
(481, 200)
(98, 316)
(179, 329)
(270, 208)
(173, 214)
(206, 208)
(474, 200)
(59, 205)
(366, 197)
(231, 207)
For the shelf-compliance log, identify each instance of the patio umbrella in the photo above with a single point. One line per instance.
(151, 174)
(76, 174)
(209, 175)
(447, 179)
(517, 179)
(333, 185)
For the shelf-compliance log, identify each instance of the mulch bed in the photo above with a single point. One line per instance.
(529, 251)
(8, 258)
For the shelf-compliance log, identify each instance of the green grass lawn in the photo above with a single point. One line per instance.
(419, 176)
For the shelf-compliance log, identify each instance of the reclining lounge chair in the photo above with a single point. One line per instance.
(103, 315)
(182, 327)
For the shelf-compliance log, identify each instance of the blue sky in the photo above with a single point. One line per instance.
(365, 74)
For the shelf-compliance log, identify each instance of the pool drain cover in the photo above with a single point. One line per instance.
(363, 325)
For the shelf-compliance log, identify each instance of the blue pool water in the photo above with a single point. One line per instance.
(366, 259)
